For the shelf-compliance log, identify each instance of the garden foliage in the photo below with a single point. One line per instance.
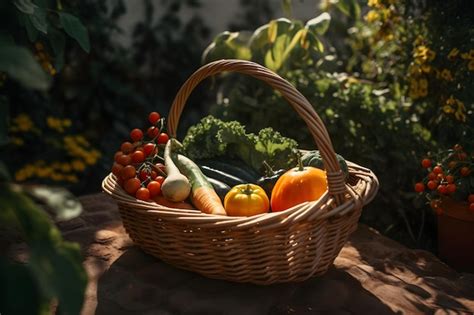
(376, 83)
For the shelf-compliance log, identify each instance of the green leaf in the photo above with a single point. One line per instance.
(57, 41)
(54, 263)
(19, 64)
(74, 28)
(25, 6)
(349, 8)
(31, 30)
(38, 19)
(64, 204)
(319, 25)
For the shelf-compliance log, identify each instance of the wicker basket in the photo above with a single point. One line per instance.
(286, 246)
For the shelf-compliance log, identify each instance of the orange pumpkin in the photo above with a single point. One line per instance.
(298, 185)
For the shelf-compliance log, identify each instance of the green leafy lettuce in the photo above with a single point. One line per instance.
(212, 137)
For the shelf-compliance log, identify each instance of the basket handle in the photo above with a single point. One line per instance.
(335, 177)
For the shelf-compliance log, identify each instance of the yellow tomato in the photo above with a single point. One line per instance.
(246, 200)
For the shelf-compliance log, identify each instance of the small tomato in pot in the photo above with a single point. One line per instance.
(246, 200)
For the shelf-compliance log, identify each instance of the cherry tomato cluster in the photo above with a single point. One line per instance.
(137, 164)
(445, 178)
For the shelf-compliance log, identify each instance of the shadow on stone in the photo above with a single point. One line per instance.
(137, 283)
(430, 285)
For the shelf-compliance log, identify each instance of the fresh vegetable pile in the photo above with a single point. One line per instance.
(219, 169)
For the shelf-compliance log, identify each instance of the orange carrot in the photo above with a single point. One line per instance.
(203, 195)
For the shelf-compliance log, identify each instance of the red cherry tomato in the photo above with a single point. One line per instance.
(471, 207)
(143, 175)
(152, 132)
(124, 159)
(465, 171)
(116, 168)
(470, 198)
(426, 163)
(442, 189)
(153, 118)
(128, 172)
(432, 185)
(437, 170)
(132, 185)
(148, 148)
(160, 179)
(451, 188)
(154, 187)
(126, 147)
(163, 138)
(136, 135)
(431, 176)
(117, 154)
(138, 157)
(419, 187)
(143, 194)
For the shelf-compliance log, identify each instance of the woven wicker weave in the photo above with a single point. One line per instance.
(286, 246)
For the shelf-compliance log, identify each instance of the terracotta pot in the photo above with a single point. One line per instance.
(456, 235)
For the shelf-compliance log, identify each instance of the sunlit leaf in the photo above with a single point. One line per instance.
(38, 19)
(319, 24)
(64, 203)
(25, 6)
(272, 31)
(19, 64)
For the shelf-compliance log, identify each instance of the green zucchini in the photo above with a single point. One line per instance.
(228, 179)
(234, 168)
(221, 188)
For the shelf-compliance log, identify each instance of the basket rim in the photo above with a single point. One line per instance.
(359, 194)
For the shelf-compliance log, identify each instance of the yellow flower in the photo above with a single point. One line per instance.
(423, 54)
(446, 75)
(17, 141)
(66, 168)
(465, 56)
(57, 177)
(470, 65)
(426, 68)
(23, 123)
(372, 16)
(20, 176)
(448, 109)
(423, 84)
(67, 122)
(71, 178)
(44, 172)
(55, 124)
(471, 54)
(414, 69)
(453, 53)
(451, 101)
(373, 3)
(78, 165)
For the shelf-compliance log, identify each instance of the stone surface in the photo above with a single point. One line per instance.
(371, 275)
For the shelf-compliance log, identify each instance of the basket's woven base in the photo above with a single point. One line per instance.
(286, 254)
(288, 246)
